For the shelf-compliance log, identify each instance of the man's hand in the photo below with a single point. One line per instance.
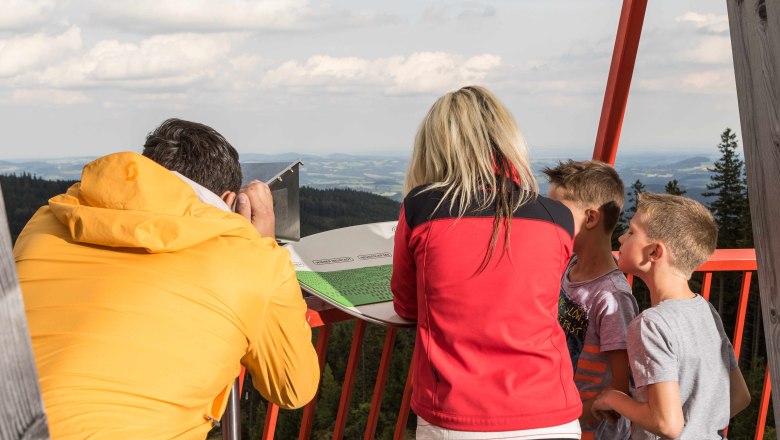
(257, 206)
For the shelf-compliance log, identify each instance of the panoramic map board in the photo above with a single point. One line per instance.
(350, 268)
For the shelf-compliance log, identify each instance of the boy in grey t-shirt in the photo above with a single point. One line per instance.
(687, 383)
(596, 304)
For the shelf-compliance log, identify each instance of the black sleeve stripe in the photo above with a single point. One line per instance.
(561, 215)
(420, 206)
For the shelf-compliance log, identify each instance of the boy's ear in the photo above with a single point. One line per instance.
(657, 251)
(592, 218)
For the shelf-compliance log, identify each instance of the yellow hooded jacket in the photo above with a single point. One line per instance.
(141, 300)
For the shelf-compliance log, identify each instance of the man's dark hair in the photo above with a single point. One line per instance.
(196, 151)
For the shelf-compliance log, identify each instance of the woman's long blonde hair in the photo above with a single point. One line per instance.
(469, 146)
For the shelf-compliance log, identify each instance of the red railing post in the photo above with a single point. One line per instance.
(379, 387)
(621, 70)
(271, 414)
(706, 285)
(308, 410)
(349, 379)
(766, 395)
(741, 311)
(403, 412)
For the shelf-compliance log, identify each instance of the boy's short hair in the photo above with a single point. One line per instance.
(593, 183)
(684, 225)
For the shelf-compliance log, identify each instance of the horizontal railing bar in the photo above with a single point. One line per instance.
(727, 260)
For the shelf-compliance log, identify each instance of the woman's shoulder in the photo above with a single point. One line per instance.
(421, 202)
(546, 209)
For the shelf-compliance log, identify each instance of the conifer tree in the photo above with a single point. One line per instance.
(673, 188)
(633, 198)
(729, 192)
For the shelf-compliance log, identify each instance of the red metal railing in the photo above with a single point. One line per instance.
(724, 260)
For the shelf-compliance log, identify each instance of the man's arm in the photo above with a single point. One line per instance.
(281, 358)
(662, 413)
(738, 392)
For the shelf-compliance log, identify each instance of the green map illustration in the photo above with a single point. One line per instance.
(351, 287)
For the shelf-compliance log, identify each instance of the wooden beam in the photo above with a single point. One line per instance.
(21, 410)
(755, 45)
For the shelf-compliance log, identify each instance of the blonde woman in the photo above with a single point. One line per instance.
(478, 262)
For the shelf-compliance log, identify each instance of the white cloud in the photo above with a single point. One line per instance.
(716, 80)
(22, 53)
(707, 22)
(709, 49)
(157, 62)
(217, 15)
(48, 97)
(421, 72)
(24, 14)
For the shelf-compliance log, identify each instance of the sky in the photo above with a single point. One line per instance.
(92, 77)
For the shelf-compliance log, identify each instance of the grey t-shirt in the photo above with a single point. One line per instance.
(683, 341)
(608, 307)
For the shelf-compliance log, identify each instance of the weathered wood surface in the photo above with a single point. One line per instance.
(21, 406)
(755, 44)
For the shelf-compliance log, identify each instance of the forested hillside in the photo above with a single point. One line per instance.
(321, 209)
(24, 194)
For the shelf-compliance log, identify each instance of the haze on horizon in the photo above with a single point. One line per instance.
(274, 76)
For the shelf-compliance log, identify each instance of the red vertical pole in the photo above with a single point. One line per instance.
(766, 394)
(308, 410)
(706, 285)
(349, 379)
(741, 312)
(271, 414)
(621, 70)
(379, 387)
(403, 412)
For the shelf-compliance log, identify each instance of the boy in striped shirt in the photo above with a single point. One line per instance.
(596, 303)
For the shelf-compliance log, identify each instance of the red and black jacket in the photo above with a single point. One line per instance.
(490, 355)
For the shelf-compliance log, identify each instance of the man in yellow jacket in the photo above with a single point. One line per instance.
(144, 290)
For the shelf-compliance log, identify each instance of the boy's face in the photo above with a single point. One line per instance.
(559, 194)
(635, 248)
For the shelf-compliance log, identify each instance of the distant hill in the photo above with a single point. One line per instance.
(384, 174)
(321, 209)
(325, 209)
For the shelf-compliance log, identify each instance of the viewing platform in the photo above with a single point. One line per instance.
(322, 317)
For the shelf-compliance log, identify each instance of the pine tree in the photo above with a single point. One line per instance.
(730, 204)
(673, 188)
(633, 200)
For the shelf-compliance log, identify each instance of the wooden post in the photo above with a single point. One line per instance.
(755, 45)
(21, 410)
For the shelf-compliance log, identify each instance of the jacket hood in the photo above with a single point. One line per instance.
(127, 200)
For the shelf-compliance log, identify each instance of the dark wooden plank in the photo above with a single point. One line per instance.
(21, 406)
(755, 44)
